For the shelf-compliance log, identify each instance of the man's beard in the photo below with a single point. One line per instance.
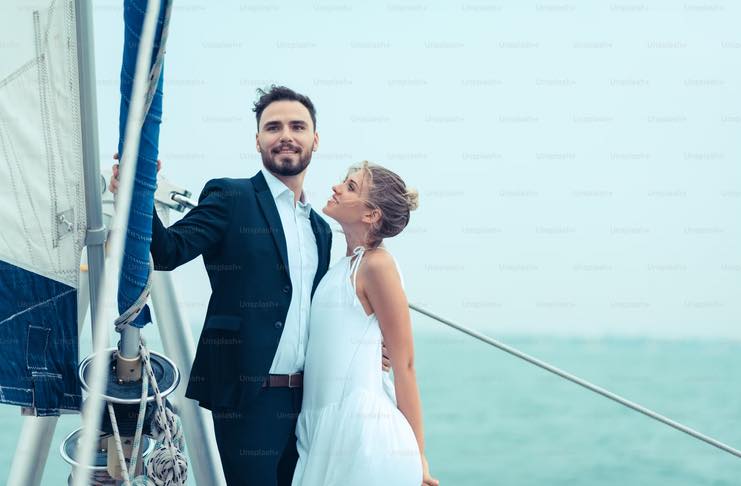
(282, 165)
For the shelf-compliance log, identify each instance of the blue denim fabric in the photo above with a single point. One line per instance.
(135, 267)
(38, 342)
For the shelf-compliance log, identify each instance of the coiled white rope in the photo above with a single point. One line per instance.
(168, 465)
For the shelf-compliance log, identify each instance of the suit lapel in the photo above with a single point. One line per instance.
(269, 209)
(267, 205)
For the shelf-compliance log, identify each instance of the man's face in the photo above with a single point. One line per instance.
(286, 138)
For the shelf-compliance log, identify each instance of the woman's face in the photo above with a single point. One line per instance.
(347, 203)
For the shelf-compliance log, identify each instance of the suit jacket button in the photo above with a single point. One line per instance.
(278, 324)
(286, 289)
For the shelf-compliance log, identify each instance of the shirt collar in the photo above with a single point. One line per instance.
(278, 189)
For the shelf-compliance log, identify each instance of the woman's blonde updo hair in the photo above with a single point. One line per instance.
(388, 193)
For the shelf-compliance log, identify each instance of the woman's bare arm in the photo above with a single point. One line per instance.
(382, 286)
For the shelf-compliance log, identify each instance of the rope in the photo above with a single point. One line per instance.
(589, 386)
(175, 424)
(154, 73)
(168, 465)
(139, 425)
(128, 473)
(125, 319)
(119, 446)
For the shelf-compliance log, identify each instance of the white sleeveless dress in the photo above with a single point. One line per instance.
(349, 430)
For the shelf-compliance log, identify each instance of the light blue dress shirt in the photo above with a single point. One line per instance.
(303, 260)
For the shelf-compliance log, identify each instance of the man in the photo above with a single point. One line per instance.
(265, 250)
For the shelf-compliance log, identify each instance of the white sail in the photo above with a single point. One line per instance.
(42, 211)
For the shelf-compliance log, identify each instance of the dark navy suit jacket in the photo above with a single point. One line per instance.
(237, 229)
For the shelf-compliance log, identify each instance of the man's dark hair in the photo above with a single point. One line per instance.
(281, 93)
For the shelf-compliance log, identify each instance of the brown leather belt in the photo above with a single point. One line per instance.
(295, 380)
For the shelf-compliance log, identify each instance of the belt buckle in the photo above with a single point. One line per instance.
(289, 381)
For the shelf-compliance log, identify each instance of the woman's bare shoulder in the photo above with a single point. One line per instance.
(380, 266)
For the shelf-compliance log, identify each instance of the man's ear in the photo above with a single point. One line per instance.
(257, 144)
(316, 141)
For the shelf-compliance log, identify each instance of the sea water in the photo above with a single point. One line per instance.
(493, 419)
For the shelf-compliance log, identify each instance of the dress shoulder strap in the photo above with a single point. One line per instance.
(358, 252)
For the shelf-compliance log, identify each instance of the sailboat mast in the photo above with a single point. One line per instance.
(96, 231)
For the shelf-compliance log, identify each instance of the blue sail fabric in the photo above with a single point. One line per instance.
(38, 334)
(135, 267)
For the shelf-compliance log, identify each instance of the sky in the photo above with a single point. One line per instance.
(577, 162)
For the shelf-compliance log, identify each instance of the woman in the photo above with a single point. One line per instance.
(350, 431)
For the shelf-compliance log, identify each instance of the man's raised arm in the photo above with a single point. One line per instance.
(197, 232)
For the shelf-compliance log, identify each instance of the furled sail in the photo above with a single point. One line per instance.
(42, 211)
(135, 268)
